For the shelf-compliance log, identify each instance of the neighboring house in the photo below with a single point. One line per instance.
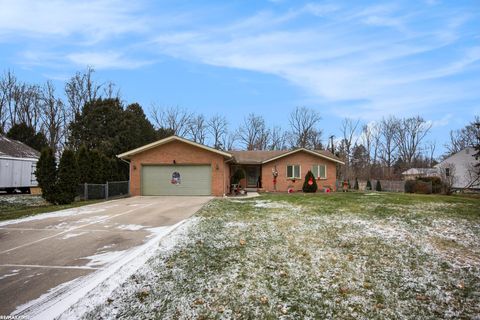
(461, 166)
(414, 173)
(177, 166)
(17, 166)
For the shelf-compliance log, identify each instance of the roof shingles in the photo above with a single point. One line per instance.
(16, 149)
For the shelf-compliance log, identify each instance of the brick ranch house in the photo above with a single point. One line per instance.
(177, 166)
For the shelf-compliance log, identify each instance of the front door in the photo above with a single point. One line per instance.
(253, 174)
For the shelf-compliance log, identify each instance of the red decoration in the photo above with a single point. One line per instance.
(310, 181)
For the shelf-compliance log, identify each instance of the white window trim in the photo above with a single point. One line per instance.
(293, 171)
(317, 174)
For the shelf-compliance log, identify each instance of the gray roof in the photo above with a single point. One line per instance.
(420, 171)
(16, 149)
(262, 156)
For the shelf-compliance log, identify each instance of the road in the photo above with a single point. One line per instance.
(41, 252)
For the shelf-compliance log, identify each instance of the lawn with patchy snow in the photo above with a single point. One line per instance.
(349, 256)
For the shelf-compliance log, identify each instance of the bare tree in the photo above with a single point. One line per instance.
(349, 130)
(110, 91)
(218, 127)
(430, 147)
(175, 118)
(54, 117)
(253, 133)
(228, 141)
(197, 128)
(80, 89)
(277, 139)
(388, 147)
(409, 134)
(463, 138)
(303, 123)
(28, 101)
(8, 106)
(448, 175)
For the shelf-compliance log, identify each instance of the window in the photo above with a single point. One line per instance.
(447, 172)
(293, 171)
(319, 171)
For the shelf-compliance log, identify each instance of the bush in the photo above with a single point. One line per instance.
(436, 183)
(67, 178)
(237, 176)
(378, 187)
(310, 185)
(369, 185)
(46, 174)
(418, 186)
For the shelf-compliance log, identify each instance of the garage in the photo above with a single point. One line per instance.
(176, 180)
(177, 166)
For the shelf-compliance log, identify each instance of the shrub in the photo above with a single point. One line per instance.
(355, 186)
(410, 186)
(436, 183)
(309, 185)
(237, 176)
(418, 186)
(378, 187)
(67, 178)
(46, 174)
(369, 185)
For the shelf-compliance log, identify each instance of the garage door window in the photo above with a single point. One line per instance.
(176, 177)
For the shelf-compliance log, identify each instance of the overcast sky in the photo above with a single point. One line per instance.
(360, 59)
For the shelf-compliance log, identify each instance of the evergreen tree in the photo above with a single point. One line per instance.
(99, 172)
(378, 186)
(310, 184)
(67, 183)
(369, 185)
(84, 165)
(46, 174)
(26, 134)
(355, 186)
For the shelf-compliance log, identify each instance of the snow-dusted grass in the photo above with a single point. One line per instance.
(19, 206)
(299, 256)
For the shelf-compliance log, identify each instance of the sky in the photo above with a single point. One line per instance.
(358, 59)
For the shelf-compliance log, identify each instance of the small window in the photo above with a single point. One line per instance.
(319, 171)
(447, 172)
(293, 171)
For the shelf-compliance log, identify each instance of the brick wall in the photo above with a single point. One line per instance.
(306, 161)
(182, 153)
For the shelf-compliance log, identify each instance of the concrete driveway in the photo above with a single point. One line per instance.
(42, 252)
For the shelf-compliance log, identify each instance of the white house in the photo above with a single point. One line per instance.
(462, 166)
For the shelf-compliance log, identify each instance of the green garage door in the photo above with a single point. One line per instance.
(177, 180)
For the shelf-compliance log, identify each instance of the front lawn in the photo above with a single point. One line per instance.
(20, 206)
(342, 256)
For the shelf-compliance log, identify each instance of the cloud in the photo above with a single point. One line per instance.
(106, 60)
(92, 20)
(346, 58)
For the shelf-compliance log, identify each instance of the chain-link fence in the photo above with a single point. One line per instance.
(111, 189)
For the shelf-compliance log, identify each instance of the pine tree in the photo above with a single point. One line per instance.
(378, 187)
(369, 185)
(67, 183)
(355, 186)
(310, 185)
(46, 174)
(84, 165)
